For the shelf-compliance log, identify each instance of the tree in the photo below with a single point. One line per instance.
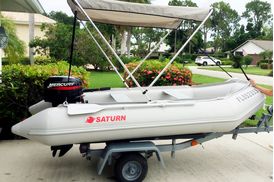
(240, 36)
(206, 29)
(61, 17)
(187, 3)
(57, 41)
(87, 52)
(57, 44)
(15, 50)
(145, 38)
(267, 56)
(224, 21)
(258, 13)
(177, 38)
(125, 31)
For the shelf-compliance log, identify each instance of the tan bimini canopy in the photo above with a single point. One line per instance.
(135, 14)
(27, 6)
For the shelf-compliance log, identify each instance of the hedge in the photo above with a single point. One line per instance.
(23, 86)
(175, 75)
(264, 66)
(226, 61)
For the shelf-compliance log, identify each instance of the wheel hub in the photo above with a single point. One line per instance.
(132, 170)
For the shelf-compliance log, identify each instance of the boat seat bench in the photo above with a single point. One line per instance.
(120, 98)
(178, 94)
(123, 98)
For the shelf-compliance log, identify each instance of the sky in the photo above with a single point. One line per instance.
(238, 5)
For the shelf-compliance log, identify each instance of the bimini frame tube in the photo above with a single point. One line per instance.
(101, 49)
(181, 49)
(156, 46)
(112, 50)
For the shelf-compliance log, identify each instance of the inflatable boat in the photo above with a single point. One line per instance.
(69, 115)
(122, 114)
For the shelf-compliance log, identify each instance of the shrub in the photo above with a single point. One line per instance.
(237, 61)
(23, 86)
(175, 75)
(247, 60)
(264, 66)
(43, 60)
(264, 61)
(126, 60)
(187, 58)
(23, 61)
(226, 61)
(162, 58)
(261, 61)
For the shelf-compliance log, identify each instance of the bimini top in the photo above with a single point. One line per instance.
(135, 14)
(27, 6)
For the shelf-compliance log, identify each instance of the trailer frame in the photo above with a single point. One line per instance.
(146, 147)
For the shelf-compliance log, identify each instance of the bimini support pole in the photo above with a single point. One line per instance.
(72, 44)
(181, 49)
(101, 49)
(112, 50)
(0, 58)
(156, 46)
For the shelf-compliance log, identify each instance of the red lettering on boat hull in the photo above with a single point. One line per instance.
(106, 119)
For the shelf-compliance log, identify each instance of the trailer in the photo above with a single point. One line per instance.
(130, 156)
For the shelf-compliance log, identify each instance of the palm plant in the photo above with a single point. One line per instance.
(15, 48)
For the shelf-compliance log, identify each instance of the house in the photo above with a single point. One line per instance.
(253, 48)
(21, 21)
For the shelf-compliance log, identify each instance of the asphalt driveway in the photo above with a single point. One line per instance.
(266, 80)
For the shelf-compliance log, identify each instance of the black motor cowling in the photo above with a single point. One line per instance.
(58, 89)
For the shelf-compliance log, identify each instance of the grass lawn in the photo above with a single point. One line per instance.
(201, 79)
(111, 79)
(105, 79)
(253, 70)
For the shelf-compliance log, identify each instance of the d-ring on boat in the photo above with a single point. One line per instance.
(126, 118)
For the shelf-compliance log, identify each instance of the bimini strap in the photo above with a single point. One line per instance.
(204, 52)
(244, 72)
(239, 63)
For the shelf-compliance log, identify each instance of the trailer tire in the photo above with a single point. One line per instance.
(131, 167)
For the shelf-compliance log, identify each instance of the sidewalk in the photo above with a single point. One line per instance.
(266, 80)
(249, 158)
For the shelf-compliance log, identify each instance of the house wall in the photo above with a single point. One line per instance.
(255, 58)
(21, 21)
(250, 48)
(22, 31)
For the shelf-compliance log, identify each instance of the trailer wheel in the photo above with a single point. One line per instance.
(131, 167)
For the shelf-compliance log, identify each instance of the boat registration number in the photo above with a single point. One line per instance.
(247, 95)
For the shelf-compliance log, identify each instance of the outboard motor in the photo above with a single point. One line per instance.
(57, 90)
